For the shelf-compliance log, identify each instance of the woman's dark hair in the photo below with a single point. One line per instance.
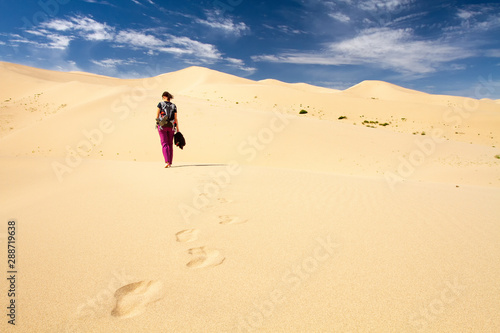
(167, 95)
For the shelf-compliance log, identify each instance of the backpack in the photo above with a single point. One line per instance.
(167, 114)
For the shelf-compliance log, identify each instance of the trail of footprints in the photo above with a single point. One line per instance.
(203, 256)
(132, 299)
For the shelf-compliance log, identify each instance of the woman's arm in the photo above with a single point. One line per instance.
(158, 113)
(176, 121)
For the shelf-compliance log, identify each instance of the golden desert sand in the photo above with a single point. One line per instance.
(386, 220)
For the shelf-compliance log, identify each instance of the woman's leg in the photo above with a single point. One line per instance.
(170, 145)
(164, 144)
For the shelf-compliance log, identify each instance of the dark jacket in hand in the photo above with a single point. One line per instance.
(179, 140)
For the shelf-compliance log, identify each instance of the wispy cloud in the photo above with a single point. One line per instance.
(87, 27)
(49, 40)
(477, 18)
(193, 47)
(137, 2)
(360, 14)
(340, 17)
(167, 44)
(100, 2)
(112, 63)
(397, 49)
(495, 53)
(240, 64)
(465, 14)
(137, 39)
(216, 20)
(58, 33)
(382, 5)
(58, 42)
(285, 29)
(365, 5)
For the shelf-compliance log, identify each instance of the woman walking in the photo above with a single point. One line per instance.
(166, 119)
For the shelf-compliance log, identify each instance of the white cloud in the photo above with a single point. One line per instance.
(109, 63)
(138, 39)
(52, 40)
(408, 18)
(171, 44)
(368, 5)
(397, 49)
(465, 14)
(16, 38)
(173, 50)
(86, 26)
(137, 2)
(340, 17)
(102, 2)
(58, 24)
(458, 67)
(58, 42)
(495, 53)
(66, 66)
(112, 63)
(216, 21)
(237, 62)
(59, 33)
(490, 23)
(477, 18)
(362, 13)
(382, 5)
(202, 50)
(284, 29)
(240, 64)
(41, 32)
(93, 30)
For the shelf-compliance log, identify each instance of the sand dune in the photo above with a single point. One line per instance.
(383, 90)
(298, 86)
(268, 221)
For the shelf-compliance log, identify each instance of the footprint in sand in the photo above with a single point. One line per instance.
(189, 235)
(204, 257)
(132, 299)
(230, 219)
(224, 200)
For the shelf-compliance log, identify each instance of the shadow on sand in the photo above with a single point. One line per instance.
(196, 165)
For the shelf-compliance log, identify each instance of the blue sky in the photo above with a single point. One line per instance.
(440, 47)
